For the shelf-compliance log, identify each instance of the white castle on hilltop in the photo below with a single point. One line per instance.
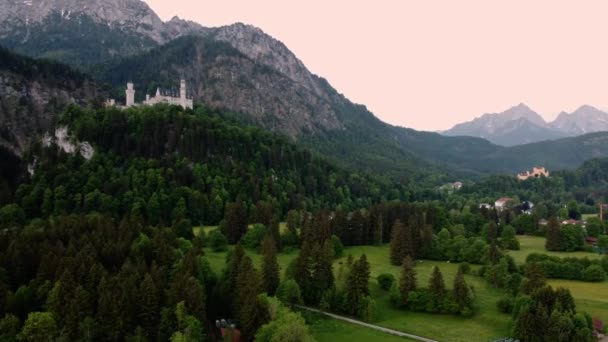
(161, 97)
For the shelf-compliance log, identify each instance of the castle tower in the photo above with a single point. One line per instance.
(182, 90)
(130, 95)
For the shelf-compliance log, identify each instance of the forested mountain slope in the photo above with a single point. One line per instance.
(157, 161)
(221, 76)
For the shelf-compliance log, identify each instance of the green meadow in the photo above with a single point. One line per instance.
(486, 325)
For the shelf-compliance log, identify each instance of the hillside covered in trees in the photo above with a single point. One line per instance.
(157, 161)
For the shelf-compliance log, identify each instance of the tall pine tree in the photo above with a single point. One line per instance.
(462, 294)
(270, 266)
(398, 249)
(249, 286)
(357, 285)
(235, 221)
(148, 306)
(436, 290)
(407, 281)
(553, 242)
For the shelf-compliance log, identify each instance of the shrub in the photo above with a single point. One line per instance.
(566, 268)
(12, 216)
(183, 228)
(521, 302)
(605, 263)
(594, 273)
(508, 239)
(385, 281)
(290, 239)
(395, 297)
(505, 304)
(367, 309)
(334, 300)
(254, 236)
(217, 241)
(338, 246)
(474, 251)
(418, 300)
(290, 271)
(513, 283)
(465, 267)
(288, 292)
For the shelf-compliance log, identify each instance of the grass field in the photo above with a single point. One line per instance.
(588, 216)
(326, 329)
(488, 323)
(536, 244)
(589, 297)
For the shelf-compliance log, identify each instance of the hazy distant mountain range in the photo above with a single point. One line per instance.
(241, 69)
(521, 125)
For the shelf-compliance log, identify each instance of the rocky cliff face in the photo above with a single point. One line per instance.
(128, 15)
(32, 94)
(263, 49)
(222, 76)
(85, 32)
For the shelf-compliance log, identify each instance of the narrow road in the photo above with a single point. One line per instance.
(367, 325)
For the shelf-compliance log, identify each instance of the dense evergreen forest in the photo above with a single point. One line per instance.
(157, 161)
(104, 248)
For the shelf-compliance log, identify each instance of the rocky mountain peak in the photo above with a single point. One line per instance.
(134, 14)
(518, 112)
(264, 49)
(583, 120)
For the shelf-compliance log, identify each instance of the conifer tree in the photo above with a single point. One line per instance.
(235, 221)
(407, 281)
(314, 273)
(535, 278)
(414, 238)
(325, 260)
(270, 266)
(274, 231)
(81, 305)
(492, 232)
(293, 221)
(427, 241)
(462, 292)
(236, 257)
(305, 268)
(436, 289)
(553, 242)
(378, 231)
(493, 253)
(249, 286)
(148, 306)
(263, 213)
(397, 247)
(357, 285)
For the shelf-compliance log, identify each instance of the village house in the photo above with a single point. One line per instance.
(502, 202)
(485, 206)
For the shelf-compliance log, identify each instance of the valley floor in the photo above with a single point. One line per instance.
(487, 324)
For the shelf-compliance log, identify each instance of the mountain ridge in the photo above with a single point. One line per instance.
(241, 69)
(520, 125)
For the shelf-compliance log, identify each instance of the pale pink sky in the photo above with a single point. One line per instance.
(431, 64)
